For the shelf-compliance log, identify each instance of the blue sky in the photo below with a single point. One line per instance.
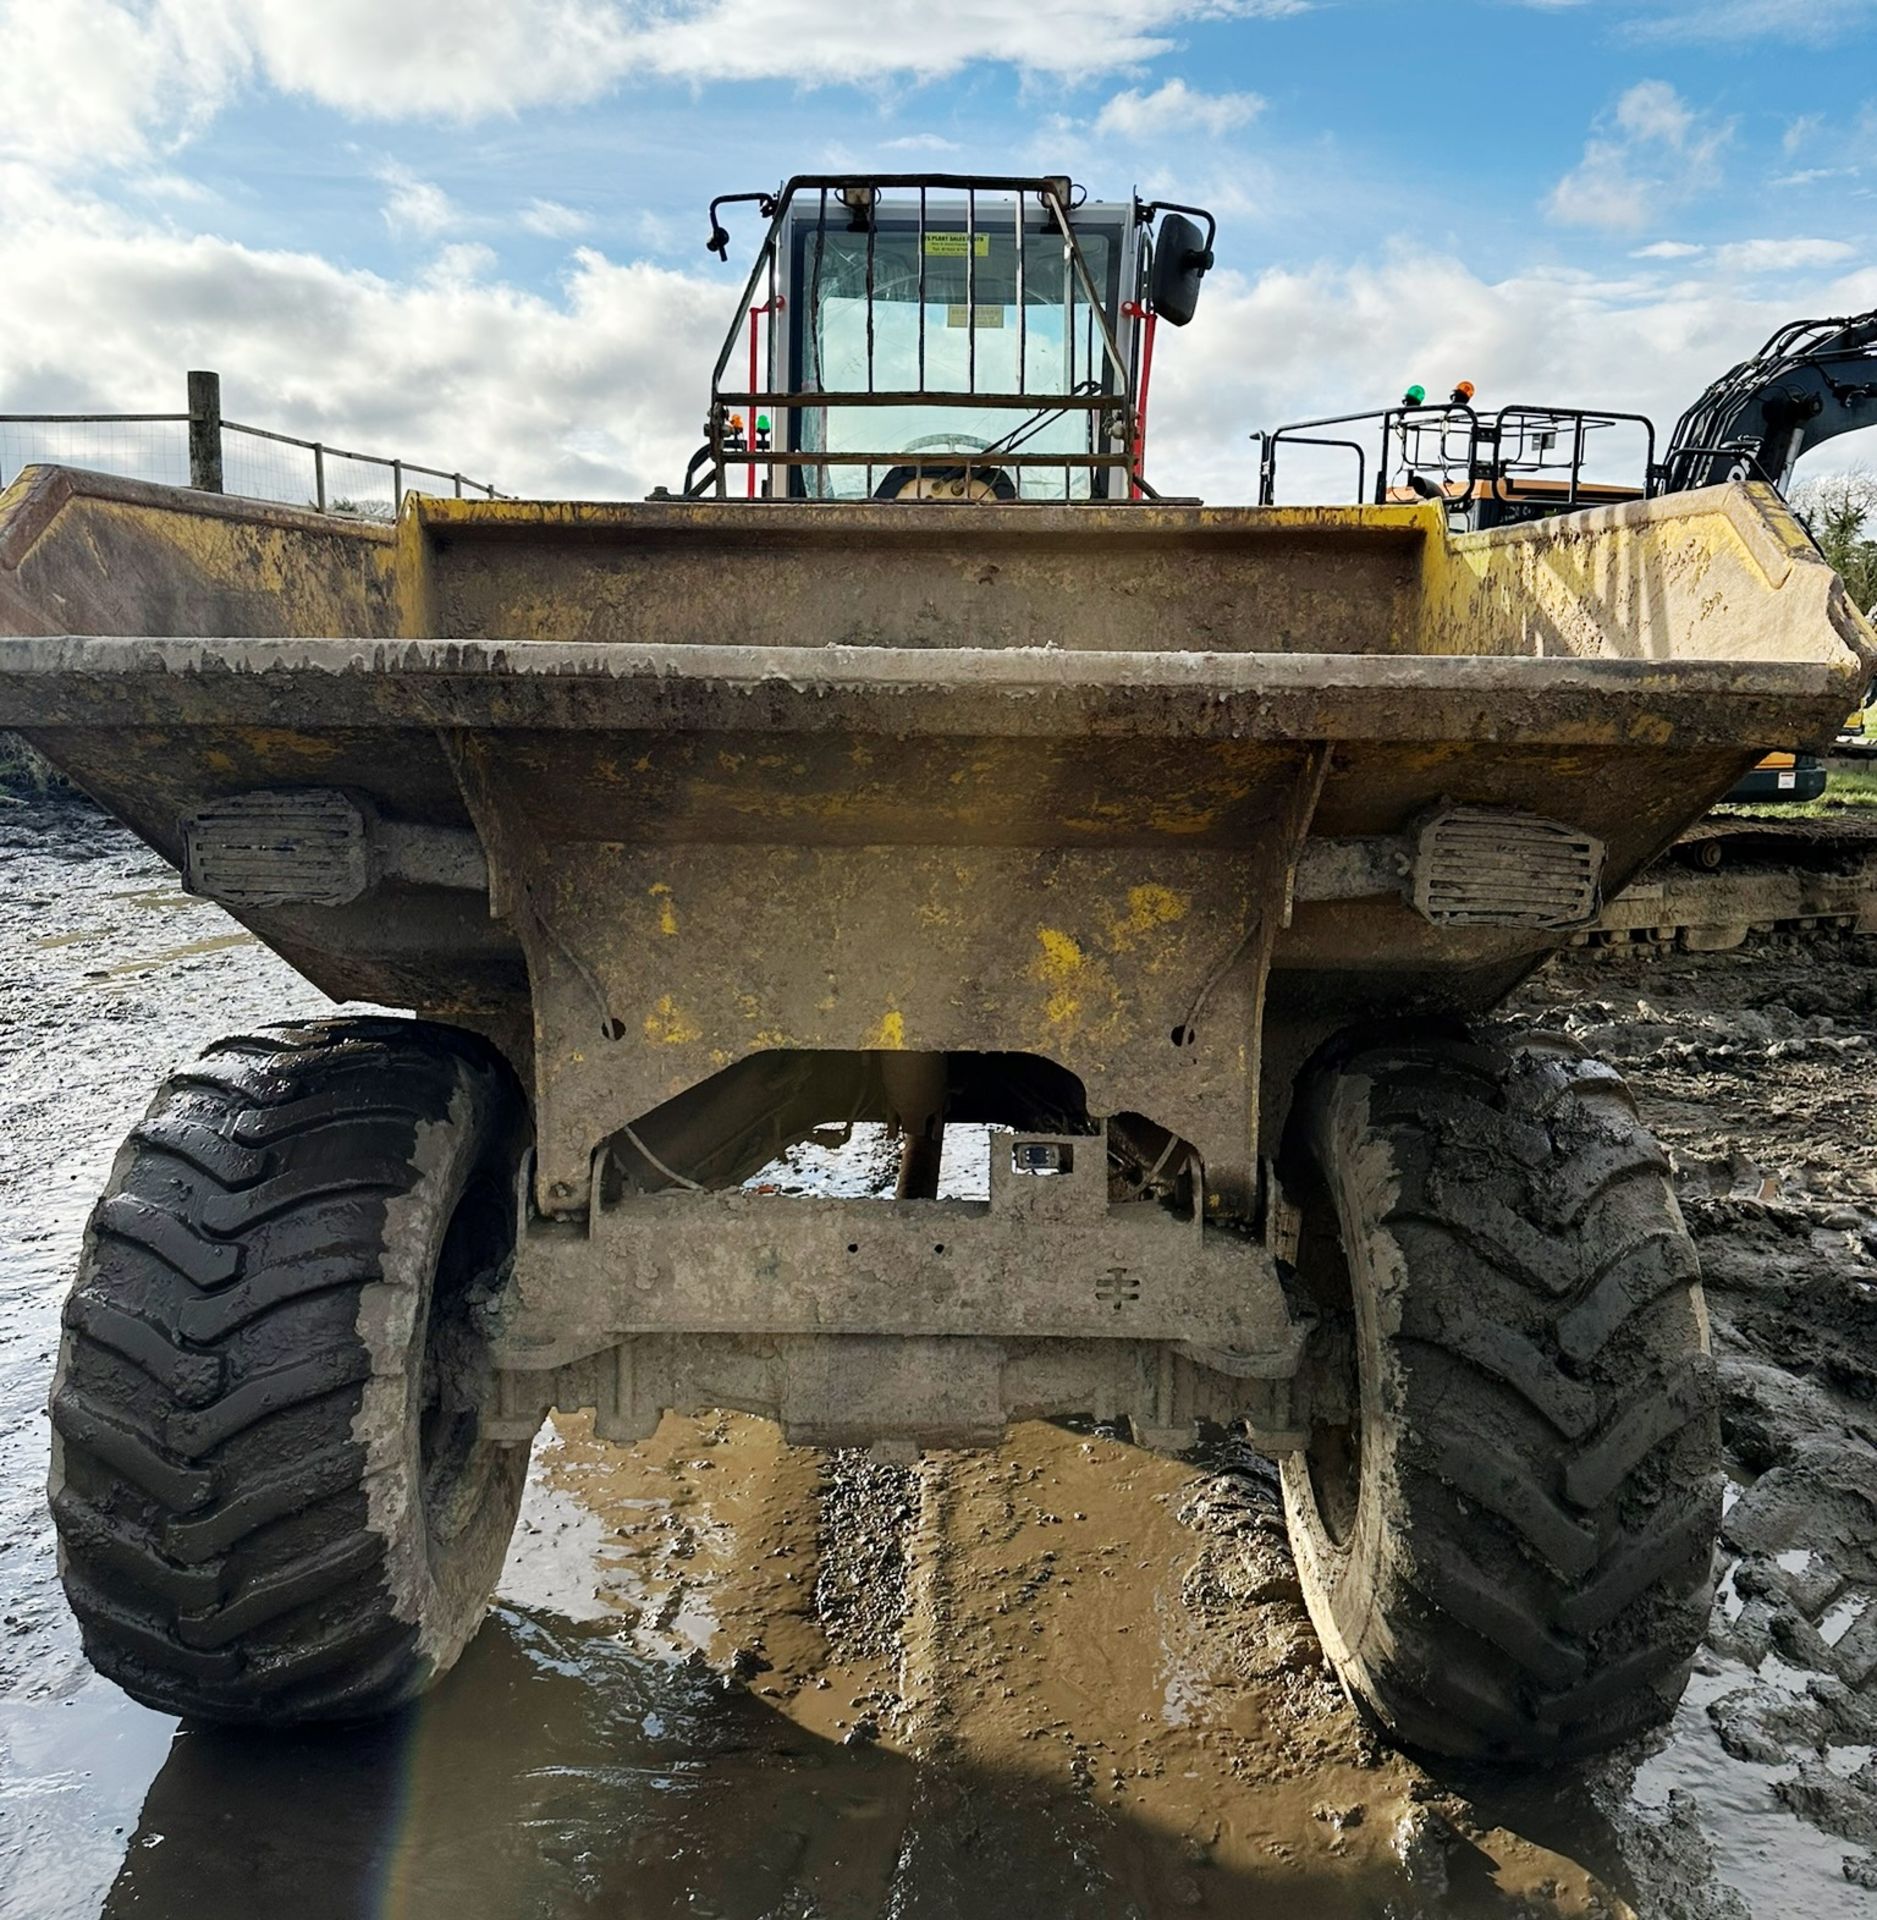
(474, 231)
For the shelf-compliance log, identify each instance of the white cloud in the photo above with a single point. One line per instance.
(460, 61)
(1653, 151)
(594, 390)
(1291, 344)
(420, 209)
(921, 143)
(460, 263)
(1174, 108)
(416, 206)
(1667, 250)
(1810, 176)
(836, 40)
(552, 219)
(1808, 22)
(1781, 256)
(166, 185)
(1653, 110)
(90, 83)
(87, 83)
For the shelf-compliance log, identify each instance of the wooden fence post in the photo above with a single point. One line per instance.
(205, 431)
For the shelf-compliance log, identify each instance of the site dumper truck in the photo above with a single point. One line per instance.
(915, 764)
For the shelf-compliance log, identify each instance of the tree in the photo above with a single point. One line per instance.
(1840, 512)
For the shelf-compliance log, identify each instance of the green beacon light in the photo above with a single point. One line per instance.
(762, 423)
(1414, 397)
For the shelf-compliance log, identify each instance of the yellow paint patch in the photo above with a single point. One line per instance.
(668, 1025)
(667, 912)
(1058, 967)
(1148, 907)
(1062, 957)
(890, 1035)
(1182, 820)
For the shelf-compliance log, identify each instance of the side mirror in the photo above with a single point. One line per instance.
(1181, 258)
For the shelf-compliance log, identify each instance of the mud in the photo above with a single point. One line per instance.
(1068, 1677)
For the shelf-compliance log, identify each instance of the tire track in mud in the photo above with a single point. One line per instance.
(1117, 1707)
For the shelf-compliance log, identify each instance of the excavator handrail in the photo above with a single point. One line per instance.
(1499, 448)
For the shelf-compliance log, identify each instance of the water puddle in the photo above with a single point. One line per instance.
(557, 1772)
(1729, 1808)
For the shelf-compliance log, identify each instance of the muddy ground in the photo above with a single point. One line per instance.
(1066, 1678)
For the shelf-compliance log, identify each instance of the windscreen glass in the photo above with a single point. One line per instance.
(948, 312)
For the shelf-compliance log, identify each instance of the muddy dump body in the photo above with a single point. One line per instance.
(1158, 795)
(1122, 829)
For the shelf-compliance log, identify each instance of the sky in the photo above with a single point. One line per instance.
(473, 233)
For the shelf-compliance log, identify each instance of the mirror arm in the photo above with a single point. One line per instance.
(1203, 257)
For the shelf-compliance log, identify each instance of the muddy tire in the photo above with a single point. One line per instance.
(272, 1496)
(1506, 1539)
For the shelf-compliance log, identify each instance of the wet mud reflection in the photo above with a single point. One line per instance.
(557, 1772)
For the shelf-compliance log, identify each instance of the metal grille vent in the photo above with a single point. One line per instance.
(309, 848)
(1479, 867)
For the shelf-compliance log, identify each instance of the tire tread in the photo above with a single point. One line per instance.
(209, 1489)
(1555, 1429)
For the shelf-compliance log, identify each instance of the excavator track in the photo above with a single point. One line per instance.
(1733, 878)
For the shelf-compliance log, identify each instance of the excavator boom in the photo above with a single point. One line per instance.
(1813, 380)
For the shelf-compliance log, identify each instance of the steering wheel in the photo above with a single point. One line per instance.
(947, 442)
(912, 472)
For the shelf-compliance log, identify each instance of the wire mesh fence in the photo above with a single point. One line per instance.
(201, 449)
(140, 446)
(279, 466)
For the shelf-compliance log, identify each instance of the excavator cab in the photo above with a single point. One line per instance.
(945, 338)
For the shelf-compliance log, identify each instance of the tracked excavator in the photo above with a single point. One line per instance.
(914, 762)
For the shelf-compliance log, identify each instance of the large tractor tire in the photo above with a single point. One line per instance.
(1505, 1520)
(273, 1498)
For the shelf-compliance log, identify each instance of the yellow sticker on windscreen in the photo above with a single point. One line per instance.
(952, 245)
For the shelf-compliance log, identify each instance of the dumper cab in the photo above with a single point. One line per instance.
(944, 339)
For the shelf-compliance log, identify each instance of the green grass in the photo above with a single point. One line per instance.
(1845, 792)
(1849, 790)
